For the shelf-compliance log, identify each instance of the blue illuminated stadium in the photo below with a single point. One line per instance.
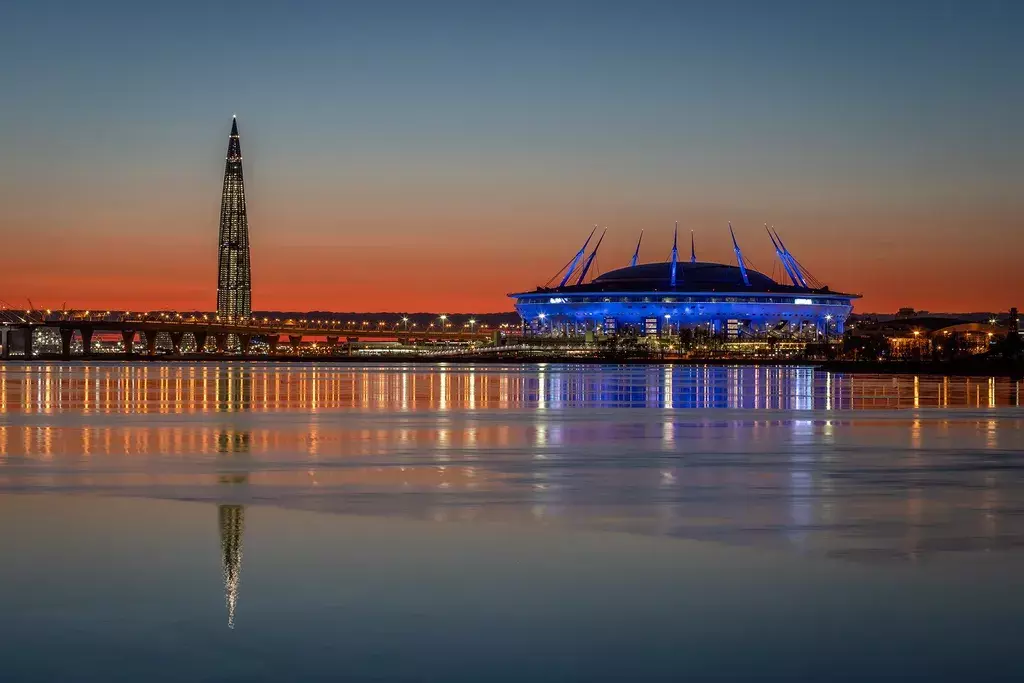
(656, 298)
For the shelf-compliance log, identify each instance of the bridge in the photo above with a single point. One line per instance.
(282, 336)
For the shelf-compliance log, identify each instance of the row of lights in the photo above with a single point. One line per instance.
(266, 321)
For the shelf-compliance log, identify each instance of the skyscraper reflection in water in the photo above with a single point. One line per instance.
(232, 395)
(232, 525)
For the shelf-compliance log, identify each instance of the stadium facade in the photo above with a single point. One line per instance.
(733, 301)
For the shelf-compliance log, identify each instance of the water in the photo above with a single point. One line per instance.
(393, 522)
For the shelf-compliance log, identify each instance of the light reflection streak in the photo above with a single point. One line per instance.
(405, 392)
(800, 481)
(542, 402)
(667, 383)
(443, 389)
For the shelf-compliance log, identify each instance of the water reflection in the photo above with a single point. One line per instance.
(865, 467)
(190, 389)
(232, 525)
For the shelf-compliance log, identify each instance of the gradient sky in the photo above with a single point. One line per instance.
(435, 156)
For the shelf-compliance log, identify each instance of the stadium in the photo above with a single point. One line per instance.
(723, 300)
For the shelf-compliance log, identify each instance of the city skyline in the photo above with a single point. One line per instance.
(440, 160)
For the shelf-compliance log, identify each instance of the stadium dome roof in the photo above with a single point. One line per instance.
(698, 276)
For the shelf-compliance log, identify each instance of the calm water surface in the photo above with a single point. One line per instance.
(313, 522)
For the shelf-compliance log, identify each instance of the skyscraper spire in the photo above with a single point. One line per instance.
(234, 282)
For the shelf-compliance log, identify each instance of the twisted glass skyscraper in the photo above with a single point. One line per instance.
(234, 284)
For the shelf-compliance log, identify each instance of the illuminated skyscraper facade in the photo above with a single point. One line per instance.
(234, 284)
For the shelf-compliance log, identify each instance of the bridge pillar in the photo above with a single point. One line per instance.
(86, 341)
(200, 338)
(272, 341)
(245, 343)
(9, 335)
(295, 340)
(332, 344)
(25, 335)
(222, 342)
(176, 338)
(151, 342)
(128, 339)
(26, 341)
(6, 337)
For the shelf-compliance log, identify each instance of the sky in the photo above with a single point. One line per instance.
(437, 156)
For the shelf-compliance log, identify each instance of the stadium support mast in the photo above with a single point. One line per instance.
(693, 249)
(590, 259)
(782, 258)
(675, 255)
(576, 260)
(792, 261)
(636, 254)
(739, 257)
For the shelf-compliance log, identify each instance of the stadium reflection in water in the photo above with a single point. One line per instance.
(853, 466)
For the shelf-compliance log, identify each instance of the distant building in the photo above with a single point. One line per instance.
(922, 337)
(915, 346)
(966, 339)
(234, 279)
